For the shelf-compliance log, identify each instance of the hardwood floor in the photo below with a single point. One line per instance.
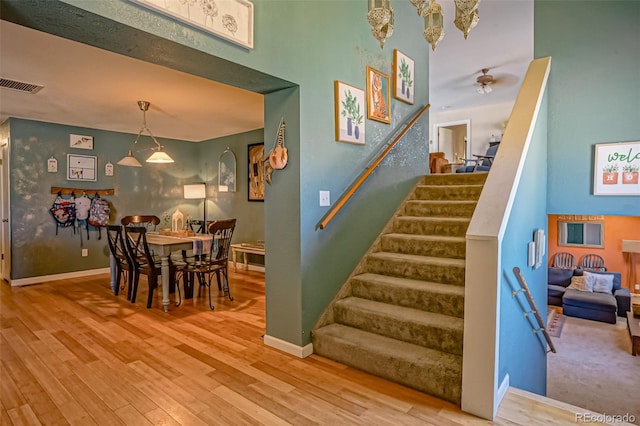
(71, 352)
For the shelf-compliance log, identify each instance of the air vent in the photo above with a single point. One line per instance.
(20, 86)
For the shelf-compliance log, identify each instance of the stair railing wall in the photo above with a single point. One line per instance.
(483, 382)
(385, 148)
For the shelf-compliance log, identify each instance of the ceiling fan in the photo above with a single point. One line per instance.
(485, 81)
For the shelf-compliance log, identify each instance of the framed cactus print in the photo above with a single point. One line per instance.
(349, 112)
(378, 100)
(616, 169)
(403, 77)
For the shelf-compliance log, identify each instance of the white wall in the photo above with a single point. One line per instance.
(485, 121)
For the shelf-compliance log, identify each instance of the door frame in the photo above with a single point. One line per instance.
(465, 122)
(5, 234)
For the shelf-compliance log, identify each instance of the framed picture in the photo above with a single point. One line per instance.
(403, 77)
(349, 112)
(81, 141)
(615, 168)
(228, 19)
(256, 171)
(378, 100)
(81, 167)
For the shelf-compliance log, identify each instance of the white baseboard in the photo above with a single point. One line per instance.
(290, 348)
(55, 277)
(502, 390)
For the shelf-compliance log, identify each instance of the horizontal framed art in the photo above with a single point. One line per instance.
(229, 19)
(80, 141)
(403, 77)
(81, 167)
(378, 102)
(349, 110)
(616, 168)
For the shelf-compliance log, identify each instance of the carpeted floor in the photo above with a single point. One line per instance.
(594, 369)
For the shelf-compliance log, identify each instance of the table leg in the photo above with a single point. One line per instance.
(235, 267)
(164, 265)
(245, 258)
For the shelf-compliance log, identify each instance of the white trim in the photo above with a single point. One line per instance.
(55, 277)
(502, 390)
(436, 136)
(290, 348)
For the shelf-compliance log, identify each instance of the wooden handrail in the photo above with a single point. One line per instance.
(525, 288)
(346, 196)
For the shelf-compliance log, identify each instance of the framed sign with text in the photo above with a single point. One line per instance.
(616, 168)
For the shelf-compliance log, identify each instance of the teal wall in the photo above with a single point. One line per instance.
(152, 189)
(594, 95)
(522, 353)
(301, 47)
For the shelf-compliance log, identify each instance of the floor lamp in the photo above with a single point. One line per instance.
(198, 191)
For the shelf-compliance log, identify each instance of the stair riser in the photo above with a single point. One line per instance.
(455, 250)
(418, 271)
(416, 208)
(454, 179)
(446, 304)
(445, 193)
(403, 225)
(439, 382)
(429, 336)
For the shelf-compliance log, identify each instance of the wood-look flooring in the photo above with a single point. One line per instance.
(71, 352)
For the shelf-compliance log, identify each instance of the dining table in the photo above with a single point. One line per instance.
(163, 245)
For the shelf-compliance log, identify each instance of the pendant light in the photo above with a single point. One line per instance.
(159, 156)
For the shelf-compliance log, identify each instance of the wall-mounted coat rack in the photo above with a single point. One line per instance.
(64, 190)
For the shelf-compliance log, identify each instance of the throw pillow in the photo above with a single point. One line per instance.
(579, 283)
(602, 283)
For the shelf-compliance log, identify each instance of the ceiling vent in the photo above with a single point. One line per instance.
(20, 86)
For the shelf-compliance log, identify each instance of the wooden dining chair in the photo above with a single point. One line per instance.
(564, 260)
(118, 249)
(143, 261)
(592, 261)
(141, 220)
(215, 263)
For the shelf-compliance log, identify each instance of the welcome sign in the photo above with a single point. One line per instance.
(616, 169)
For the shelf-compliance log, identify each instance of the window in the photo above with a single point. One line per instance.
(585, 234)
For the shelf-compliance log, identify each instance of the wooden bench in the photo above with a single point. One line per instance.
(246, 248)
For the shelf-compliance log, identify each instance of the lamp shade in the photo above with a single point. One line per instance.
(129, 160)
(159, 157)
(195, 191)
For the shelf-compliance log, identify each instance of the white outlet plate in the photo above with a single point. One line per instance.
(325, 198)
(85, 252)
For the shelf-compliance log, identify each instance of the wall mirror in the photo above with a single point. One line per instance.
(581, 234)
(227, 171)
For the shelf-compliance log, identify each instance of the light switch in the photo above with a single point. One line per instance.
(325, 198)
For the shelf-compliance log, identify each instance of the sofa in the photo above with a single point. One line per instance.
(593, 305)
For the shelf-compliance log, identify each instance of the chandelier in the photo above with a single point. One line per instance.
(159, 156)
(380, 18)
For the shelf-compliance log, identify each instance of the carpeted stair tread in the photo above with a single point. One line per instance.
(428, 329)
(424, 245)
(446, 226)
(400, 257)
(454, 178)
(430, 371)
(440, 208)
(429, 296)
(436, 269)
(447, 192)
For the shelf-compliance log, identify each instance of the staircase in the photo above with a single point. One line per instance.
(400, 314)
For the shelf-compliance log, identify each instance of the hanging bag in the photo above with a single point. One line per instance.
(64, 212)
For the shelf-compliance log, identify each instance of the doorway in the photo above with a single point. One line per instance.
(452, 138)
(5, 260)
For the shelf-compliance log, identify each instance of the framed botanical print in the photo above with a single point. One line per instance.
(378, 100)
(403, 77)
(349, 104)
(256, 172)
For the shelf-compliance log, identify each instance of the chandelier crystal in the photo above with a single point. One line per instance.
(380, 18)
